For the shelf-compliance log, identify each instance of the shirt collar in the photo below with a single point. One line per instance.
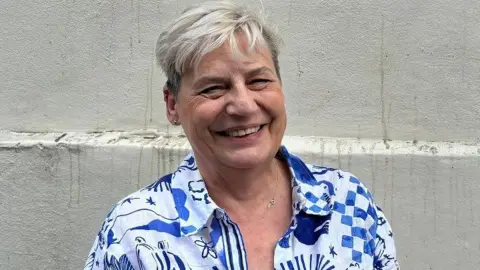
(192, 202)
(196, 209)
(310, 194)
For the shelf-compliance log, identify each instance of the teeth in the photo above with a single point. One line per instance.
(243, 132)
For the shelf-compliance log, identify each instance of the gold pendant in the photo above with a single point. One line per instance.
(271, 203)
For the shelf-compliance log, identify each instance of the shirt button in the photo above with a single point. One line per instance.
(220, 214)
(303, 202)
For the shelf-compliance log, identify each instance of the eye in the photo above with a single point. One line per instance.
(212, 91)
(259, 83)
(209, 89)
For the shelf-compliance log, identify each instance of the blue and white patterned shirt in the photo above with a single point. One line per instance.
(173, 224)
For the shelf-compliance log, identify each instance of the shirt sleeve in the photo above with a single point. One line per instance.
(385, 257)
(96, 255)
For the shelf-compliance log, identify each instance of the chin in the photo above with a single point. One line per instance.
(245, 158)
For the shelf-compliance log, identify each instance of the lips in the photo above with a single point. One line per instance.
(241, 132)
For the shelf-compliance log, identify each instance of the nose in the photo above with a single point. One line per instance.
(241, 101)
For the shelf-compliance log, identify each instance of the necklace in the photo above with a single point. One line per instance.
(272, 201)
(270, 204)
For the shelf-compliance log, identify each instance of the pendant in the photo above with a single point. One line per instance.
(271, 203)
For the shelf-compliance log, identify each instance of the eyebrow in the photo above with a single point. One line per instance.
(209, 80)
(258, 71)
(219, 79)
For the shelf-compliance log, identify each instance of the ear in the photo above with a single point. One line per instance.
(171, 106)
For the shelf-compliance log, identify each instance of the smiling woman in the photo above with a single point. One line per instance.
(224, 96)
(240, 200)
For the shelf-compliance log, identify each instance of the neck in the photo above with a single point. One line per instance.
(242, 189)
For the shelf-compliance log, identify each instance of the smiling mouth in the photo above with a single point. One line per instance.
(241, 132)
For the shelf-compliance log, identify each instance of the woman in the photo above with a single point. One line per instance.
(240, 200)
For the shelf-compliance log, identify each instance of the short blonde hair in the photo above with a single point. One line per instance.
(204, 28)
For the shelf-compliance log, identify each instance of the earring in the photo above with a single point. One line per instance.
(175, 122)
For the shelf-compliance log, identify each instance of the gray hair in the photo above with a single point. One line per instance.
(204, 28)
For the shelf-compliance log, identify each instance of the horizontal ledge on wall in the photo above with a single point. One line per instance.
(296, 144)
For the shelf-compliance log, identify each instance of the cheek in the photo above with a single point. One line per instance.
(200, 115)
(208, 111)
(274, 102)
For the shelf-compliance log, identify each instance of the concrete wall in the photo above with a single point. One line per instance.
(369, 69)
(402, 78)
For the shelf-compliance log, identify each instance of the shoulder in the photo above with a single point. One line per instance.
(346, 202)
(343, 182)
(326, 189)
(345, 193)
(355, 213)
(155, 196)
(145, 218)
(139, 211)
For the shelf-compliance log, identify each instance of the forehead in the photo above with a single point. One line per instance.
(227, 60)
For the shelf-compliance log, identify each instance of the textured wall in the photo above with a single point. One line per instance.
(368, 69)
(407, 71)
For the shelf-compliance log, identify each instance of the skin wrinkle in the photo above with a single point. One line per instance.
(240, 107)
(213, 79)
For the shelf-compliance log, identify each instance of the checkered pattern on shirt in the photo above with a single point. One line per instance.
(313, 202)
(356, 212)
